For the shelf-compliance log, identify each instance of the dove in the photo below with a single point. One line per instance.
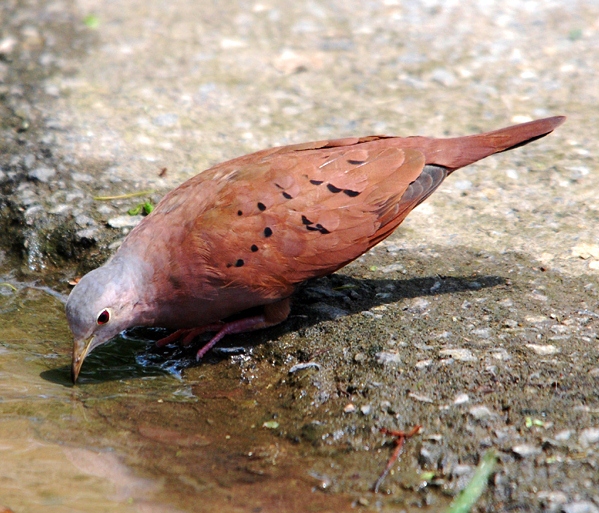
(237, 239)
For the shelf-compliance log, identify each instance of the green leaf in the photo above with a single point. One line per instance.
(91, 21)
(135, 211)
(467, 498)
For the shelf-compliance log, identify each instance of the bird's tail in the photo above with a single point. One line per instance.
(457, 152)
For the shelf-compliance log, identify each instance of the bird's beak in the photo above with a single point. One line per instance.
(80, 350)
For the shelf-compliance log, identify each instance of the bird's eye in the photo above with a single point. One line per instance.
(103, 317)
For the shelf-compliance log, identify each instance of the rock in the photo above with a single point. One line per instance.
(588, 436)
(42, 174)
(543, 349)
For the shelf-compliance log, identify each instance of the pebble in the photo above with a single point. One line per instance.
(459, 354)
(526, 450)
(302, 366)
(564, 435)
(392, 268)
(588, 436)
(421, 398)
(444, 77)
(388, 358)
(543, 349)
(43, 174)
(423, 364)
(124, 221)
(366, 409)
(481, 412)
(349, 408)
(552, 497)
(461, 399)
(580, 507)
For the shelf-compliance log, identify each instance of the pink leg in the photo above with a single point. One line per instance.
(274, 313)
(188, 334)
(247, 324)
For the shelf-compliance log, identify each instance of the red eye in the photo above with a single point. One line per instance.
(103, 317)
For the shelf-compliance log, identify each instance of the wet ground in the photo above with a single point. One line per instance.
(478, 319)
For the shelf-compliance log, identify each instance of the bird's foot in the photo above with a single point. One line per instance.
(186, 336)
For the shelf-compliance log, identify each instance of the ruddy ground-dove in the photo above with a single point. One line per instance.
(246, 232)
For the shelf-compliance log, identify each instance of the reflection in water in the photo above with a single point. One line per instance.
(41, 469)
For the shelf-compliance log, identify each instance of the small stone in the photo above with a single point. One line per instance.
(82, 177)
(124, 221)
(87, 233)
(526, 450)
(42, 174)
(388, 358)
(481, 412)
(552, 497)
(366, 409)
(462, 470)
(349, 408)
(418, 306)
(392, 268)
(359, 357)
(423, 364)
(444, 77)
(459, 354)
(586, 251)
(510, 323)
(420, 397)
(461, 399)
(580, 507)
(543, 349)
(564, 435)
(303, 366)
(482, 333)
(588, 436)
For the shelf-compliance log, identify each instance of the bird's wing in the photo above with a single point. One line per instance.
(306, 212)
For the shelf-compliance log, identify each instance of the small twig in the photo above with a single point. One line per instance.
(123, 196)
(6, 284)
(400, 440)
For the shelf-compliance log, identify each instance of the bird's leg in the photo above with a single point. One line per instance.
(274, 313)
(188, 334)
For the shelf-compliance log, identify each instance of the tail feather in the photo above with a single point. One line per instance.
(457, 152)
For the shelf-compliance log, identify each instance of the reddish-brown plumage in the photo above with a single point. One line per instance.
(245, 232)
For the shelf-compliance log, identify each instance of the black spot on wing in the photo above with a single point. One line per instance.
(318, 228)
(333, 189)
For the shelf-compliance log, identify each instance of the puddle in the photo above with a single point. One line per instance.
(132, 436)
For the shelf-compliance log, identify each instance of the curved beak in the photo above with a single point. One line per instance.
(80, 350)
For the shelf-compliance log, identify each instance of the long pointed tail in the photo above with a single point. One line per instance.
(458, 152)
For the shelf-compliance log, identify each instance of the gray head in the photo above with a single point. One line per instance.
(101, 305)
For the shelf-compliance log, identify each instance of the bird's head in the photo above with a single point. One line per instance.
(100, 306)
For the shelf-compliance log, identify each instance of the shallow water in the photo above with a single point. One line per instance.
(133, 435)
